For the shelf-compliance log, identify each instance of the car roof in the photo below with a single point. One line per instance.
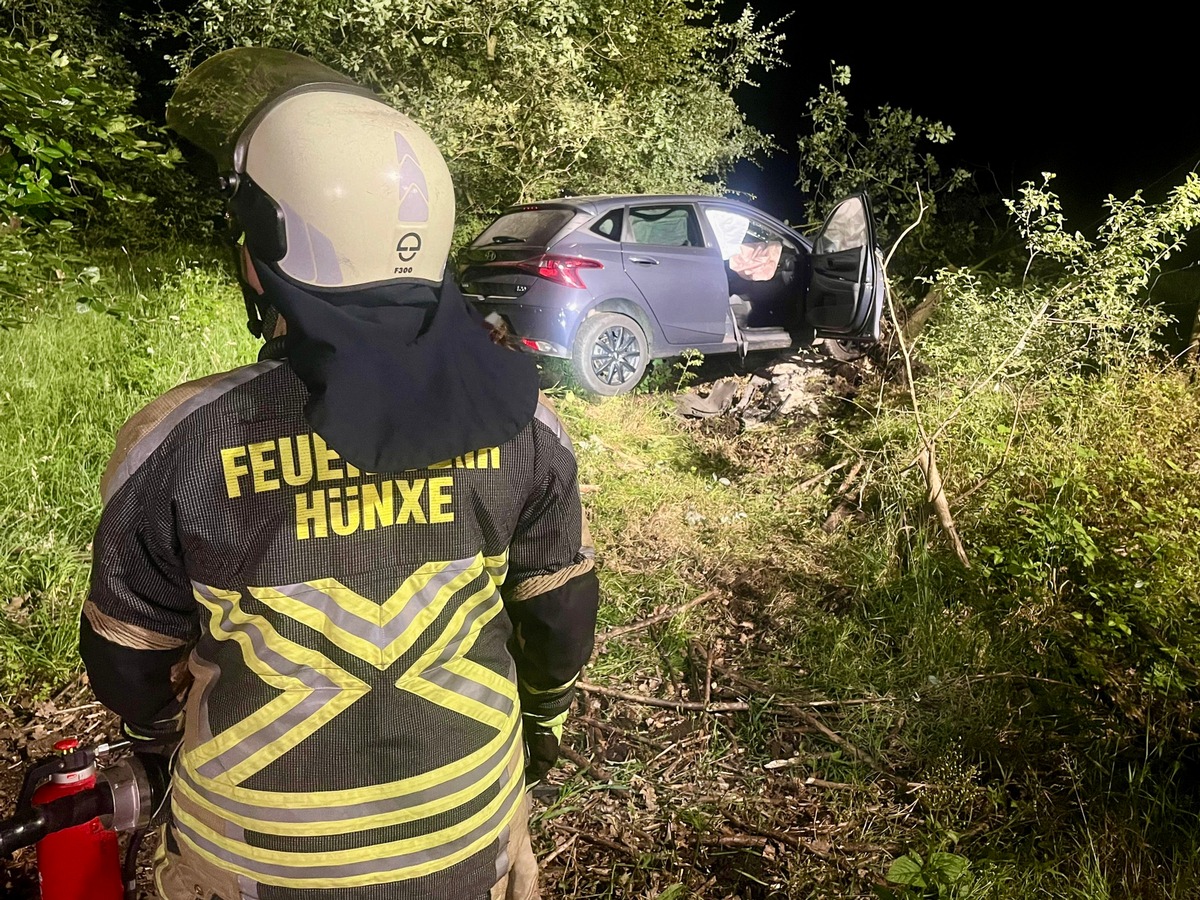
(599, 203)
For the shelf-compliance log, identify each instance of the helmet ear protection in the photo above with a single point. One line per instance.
(253, 217)
(259, 217)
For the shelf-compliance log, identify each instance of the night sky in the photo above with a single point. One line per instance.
(1107, 101)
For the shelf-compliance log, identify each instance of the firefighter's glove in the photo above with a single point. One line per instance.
(160, 737)
(542, 738)
(154, 748)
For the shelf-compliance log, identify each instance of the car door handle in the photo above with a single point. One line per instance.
(643, 260)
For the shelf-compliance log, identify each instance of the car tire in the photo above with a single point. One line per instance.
(842, 351)
(610, 354)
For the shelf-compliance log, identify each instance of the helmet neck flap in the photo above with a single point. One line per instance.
(401, 376)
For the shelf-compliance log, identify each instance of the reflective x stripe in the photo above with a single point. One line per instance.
(314, 692)
(379, 633)
(458, 599)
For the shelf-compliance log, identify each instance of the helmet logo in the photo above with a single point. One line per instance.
(414, 191)
(409, 246)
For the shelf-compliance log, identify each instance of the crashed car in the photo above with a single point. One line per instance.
(612, 282)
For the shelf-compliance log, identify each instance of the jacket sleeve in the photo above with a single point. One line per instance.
(552, 593)
(139, 618)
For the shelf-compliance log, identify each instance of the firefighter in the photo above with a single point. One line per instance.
(352, 580)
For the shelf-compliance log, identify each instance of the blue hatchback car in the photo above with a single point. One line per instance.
(611, 282)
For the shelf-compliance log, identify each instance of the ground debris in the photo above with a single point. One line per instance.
(665, 784)
(799, 384)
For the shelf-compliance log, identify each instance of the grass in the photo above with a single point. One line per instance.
(962, 720)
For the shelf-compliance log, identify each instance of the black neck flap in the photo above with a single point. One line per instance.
(401, 376)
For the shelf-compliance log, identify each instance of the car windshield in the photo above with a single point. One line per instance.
(529, 226)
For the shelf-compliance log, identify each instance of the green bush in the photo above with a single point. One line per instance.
(1077, 305)
(96, 352)
(69, 142)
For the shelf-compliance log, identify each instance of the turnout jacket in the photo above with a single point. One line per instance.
(349, 650)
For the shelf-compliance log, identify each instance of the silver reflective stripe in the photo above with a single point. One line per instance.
(280, 812)
(377, 634)
(547, 417)
(324, 691)
(151, 441)
(473, 690)
(503, 860)
(498, 572)
(324, 873)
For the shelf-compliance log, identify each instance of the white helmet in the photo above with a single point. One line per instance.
(328, 182)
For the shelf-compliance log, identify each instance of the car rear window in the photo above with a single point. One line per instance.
(525, 226)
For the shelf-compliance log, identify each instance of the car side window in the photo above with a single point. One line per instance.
(666, 226)
(609, 226)
(753, 250)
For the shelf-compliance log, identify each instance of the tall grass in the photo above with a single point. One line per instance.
(93, 356)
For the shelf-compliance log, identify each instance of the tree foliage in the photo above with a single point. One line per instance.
(1079, 304)
(529, 99)
(68, 143)
(889, 158)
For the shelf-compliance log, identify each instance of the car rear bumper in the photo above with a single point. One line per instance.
(550, 328)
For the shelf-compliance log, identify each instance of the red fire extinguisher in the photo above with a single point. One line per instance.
(73, 814)
(81, 861)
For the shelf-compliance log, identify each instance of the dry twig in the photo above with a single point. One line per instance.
(655, 619)
(584, 764)
(681, 705)
(596, 839)
(817, 479)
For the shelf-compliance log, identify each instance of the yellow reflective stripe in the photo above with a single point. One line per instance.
(465, 706)
(541, 692)
(326, 861)
(412, 681)
(430, 657)
(430, 613)
(184, 793)
(497, 567)
(295, 691)
(260, 759)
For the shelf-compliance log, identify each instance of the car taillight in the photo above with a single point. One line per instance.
(562, 270)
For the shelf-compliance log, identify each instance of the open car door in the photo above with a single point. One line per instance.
(847, 288)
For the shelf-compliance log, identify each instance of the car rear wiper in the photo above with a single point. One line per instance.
(506, 239)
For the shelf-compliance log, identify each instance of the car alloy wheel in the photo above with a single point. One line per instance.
(611, 354)
(616, 355)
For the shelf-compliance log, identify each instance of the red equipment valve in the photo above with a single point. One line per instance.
(82, 862)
